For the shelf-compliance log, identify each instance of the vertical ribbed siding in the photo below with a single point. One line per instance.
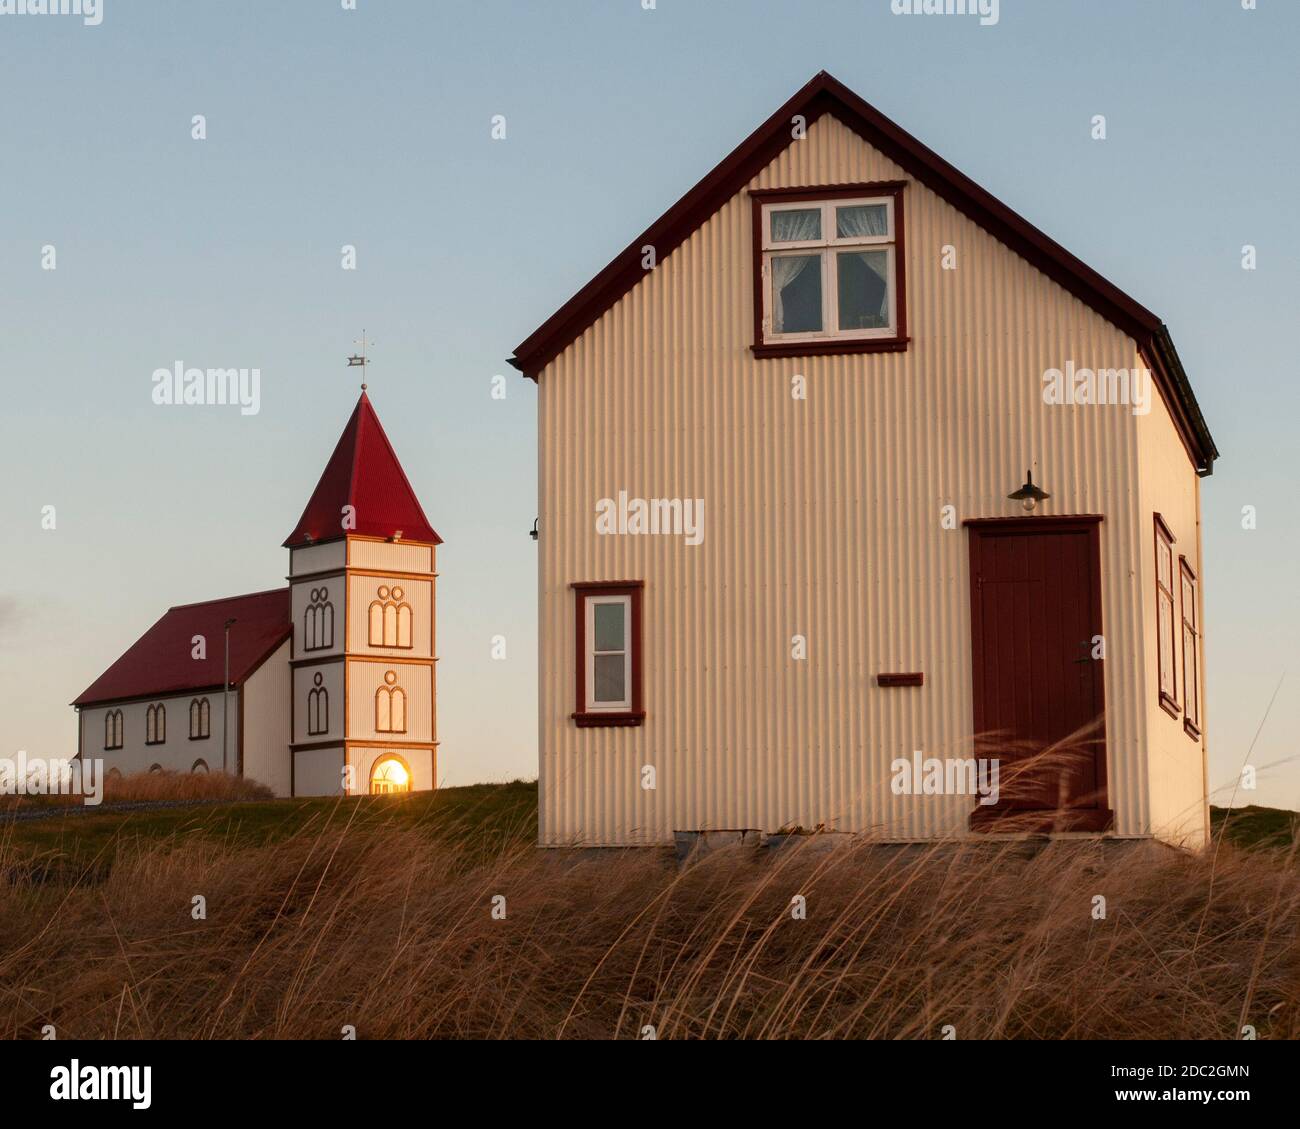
(364, 681)
(363, 590)
(1175, 761)
(266, 724)
(822, 519)
(384, 554)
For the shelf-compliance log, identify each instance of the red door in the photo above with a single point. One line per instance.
(1038, 682)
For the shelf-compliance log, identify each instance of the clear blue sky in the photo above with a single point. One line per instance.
(372, 127)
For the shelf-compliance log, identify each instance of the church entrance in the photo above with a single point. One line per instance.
(389, 775)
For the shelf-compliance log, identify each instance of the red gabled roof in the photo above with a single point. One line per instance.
(363, 473)
(162, 660)
(825, 94)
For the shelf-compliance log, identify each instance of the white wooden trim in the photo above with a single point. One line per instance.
(593, 706)
(828, 247)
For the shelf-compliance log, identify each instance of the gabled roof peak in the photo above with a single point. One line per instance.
(823, 94)
(363, 473)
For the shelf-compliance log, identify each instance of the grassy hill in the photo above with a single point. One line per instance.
(488, 814)
(483, 816)
(1255, 826)
(435, 915)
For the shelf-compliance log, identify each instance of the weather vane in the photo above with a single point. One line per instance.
(361, 360)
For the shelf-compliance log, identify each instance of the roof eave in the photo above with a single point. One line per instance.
(824, 93)
(1182, 404)
(235, 683)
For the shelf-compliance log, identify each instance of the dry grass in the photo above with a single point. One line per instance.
(391, 930)
(153, 787)
(182, 786)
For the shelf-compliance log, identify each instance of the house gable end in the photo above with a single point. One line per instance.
(770, 143)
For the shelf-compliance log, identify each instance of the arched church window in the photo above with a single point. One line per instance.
(318, 708)
(390, 619)
(155, 725)
(318, 621)
(200, 719)
(200, 767)
(390, 706)
(113, 729)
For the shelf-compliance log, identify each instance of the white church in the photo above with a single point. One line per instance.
(331, 686)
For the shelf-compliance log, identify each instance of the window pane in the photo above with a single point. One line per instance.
(1166, 639)
(787, 227)
(1164, 564)
(859, 220)
(797, 294)
(609, 627)
(609, 678)
(864, 289)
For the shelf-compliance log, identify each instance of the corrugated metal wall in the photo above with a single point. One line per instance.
(317, 558)
(389, 555)
(363, 590)
(266, 723)
(304, 682)
(177, 753)
(822, 518)
(416, 682)
(1175, 760)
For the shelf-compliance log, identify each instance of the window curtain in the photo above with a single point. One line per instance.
(791, 227)
(863, 289)
(784, 272)
(861, 220)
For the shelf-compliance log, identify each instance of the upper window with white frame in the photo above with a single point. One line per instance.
(829, 269)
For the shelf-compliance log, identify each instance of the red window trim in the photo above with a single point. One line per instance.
(584, 718)
(1168, 703)
(1190, 727)
(896, 344)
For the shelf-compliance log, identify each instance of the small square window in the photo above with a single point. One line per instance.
(828, 271)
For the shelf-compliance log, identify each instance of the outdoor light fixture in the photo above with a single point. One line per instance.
(533, 532)
(1028, 495)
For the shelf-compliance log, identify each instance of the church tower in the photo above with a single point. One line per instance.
(362, 573)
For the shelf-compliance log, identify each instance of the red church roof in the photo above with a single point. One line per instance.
(161, 661)
(363, 473)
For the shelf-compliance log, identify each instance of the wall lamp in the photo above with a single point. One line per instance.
(1028, 495)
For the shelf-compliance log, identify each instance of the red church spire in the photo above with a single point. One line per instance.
(363, 472)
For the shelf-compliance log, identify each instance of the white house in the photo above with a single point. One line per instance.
(789, 557)
(332, 684)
